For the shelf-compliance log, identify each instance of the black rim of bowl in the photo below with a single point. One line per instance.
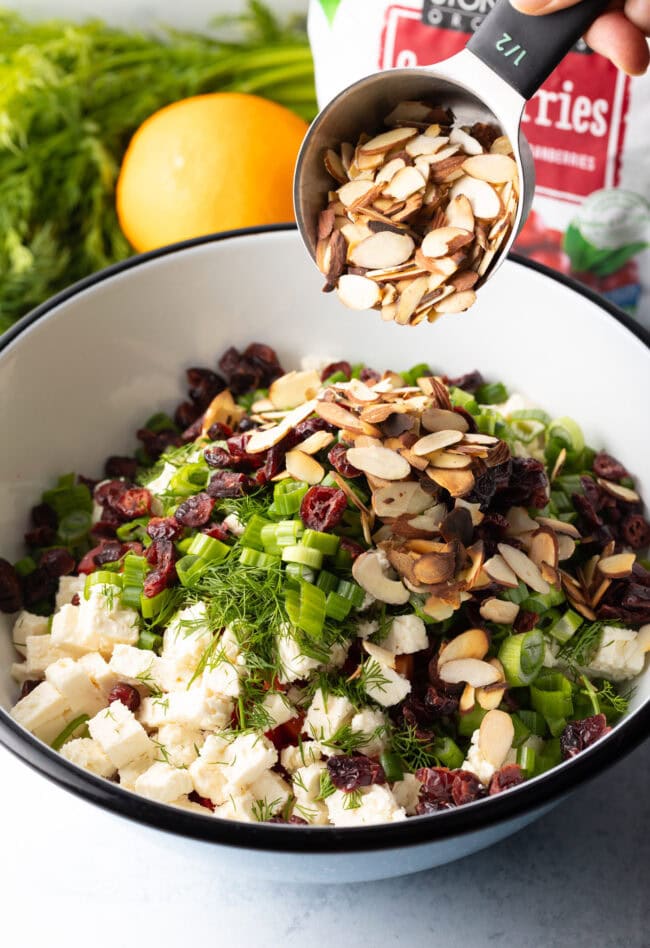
(520, 802)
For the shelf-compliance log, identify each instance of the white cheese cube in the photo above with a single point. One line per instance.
(135, 666)
(366, 628)
(51, 729)
(407, 792)
(222, 679)
(179, 744)
(113, 623)
(28, 624)
(99, 672)
(376, 805)
(119, 735)
(618, 657)
(234, 524)
(385, 685)
(372, 724)
(279, 708)
(338, 655)
(306, 789)
(86, 753)
(300, 755)
(67, 631)
(294, 664)
(476, 763)
(41, 651)
(69, 587)
(326, 714)
(194, 707)
(130, 772)
(163, 782)
(407, 634)
(270, 793)
(226, 767)
(21, 673)
(73, 682)
(241, 808)
(42, 705)
(247, 757)
(184, 803)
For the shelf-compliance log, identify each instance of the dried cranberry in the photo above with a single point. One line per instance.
(309, 427)
(76, 600)
(44, 516)
(468, 382)
(440, 702)
(509, 776)
(218, 457)
(203, 384)
(608, 467)
(636, 531)
(217, 531)
(40, 536)
(241, 459)
(322, 508)
(108, 551)
(117, 466)
(333, 367)
(243, 374)
(274, 462)
(11, 598)
(369, 375)
(457, 525)
(105, 528)
(127, 694)
(246, 424)
(195, 511)
(28, 686)
(38, 585)
(578, 735)
(435, 792)
(218, 431)
(162, 555)
(466, 787)
(293, 820)
(187, 417)
(586, 509)
(229, 484)
(109, 492)
(352, 547)
(266, 360)
(164, 528)
(88, 482)
(485, 485)
(350, 773)
(338, 458)
(155, 442)
(525, 621)
(527, 487)
(134, 502)
(202, 801)
(57, 562)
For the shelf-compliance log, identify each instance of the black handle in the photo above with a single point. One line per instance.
(524, 50)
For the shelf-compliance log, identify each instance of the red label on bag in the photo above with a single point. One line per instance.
(575, 124)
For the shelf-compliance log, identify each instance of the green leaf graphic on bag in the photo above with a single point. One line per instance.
(611, 227)
(330, 7)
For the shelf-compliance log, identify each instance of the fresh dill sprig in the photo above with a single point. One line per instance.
(263, 810)
(326, 787)
(414, 751)
(347, 741)
(581, 648)
(146, 677)
(612, 703)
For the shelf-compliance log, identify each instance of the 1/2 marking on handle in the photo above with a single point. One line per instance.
(508, 51)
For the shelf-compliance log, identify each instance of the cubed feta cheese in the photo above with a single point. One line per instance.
(240, 808)
(338, 655)
(164, 783)
(618, 657)
(226, 767)
(99, 672)
(119, 735)
(51, 729)
(179, 744)
(160, 484)
(247, 757)
(194, 707)
(373, 725)
(69, 587)
(407, 634)
(476, 762)
(384, 685)
(86, 753)
(376, 805)
(136, 666)
(234, 524)
(20, 672)
(184, 803)
(326, 714)
(306, 789)
(28, 624)
(184, 642)
(270, 792)
(222, 679)
(293, 663)
(279, 708)
(130, 772)
(97, 624)
(41, 706)
(73, 682)
(366, 628)
(406, 793)
(41, 651)
(300, 755)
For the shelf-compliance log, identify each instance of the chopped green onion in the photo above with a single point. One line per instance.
(256, 559)
(25, 566)
(302, 554)
(325, 543)
(101, 577)
(134, 530)
(569, 433)
(160, 422)
(337, 607)
(417, 372)
(252, 535)
(343, 559)
(311, 617)
(130, 596)
(526, 760)
(552, 697)
(335, 377)
(492, 393)
(468, 721)
(68, 731)
(183, 546)
(533, 721)
(327, 581)
(151, 606)
(522, 733)
(189, 479)
(522, 657)
(566, 626)
(516, 595)
(292, 605)
(556, 726)
(449, 753)
(462, 399)
(190, 568)
(68, 496)
(150, 641)
(297, 572)
(74, 526)
(526, 430)
(352, 591)
(208, 548)
(530, 414)
(287, 496)
(392, 766)
(541, 602)
(135, 567)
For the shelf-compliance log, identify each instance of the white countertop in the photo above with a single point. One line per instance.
(73, 876)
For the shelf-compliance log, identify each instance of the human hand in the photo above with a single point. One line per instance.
(620, 33)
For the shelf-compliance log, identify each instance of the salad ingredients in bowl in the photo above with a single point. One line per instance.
(333, 596)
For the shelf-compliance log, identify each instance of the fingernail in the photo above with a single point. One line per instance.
(530, 6)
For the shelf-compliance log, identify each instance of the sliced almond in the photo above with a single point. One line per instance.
(490, 698)
(381, 655)
(425, 145)
(501, 146)
(438, 609)
(643, 638)
(625, 494)
(368, 572)
(498, 570)
(387, 140)
(483, 199)
(459, 213)
(222, 408)
(262, 440)
(475, 437)
(381, 250)
(469, 144)
(294, 388)
(405, 497)
(565, 547)
(476, 673)
(409, 300)
(519, 522)
(335, 167)
(353, 191)
(456, 303)
(440, 419)
(492, 168)
(467, 699)
(617, 566)
(524, 568)
(445, 240)
(302, 467)
(388, 172)
(315, 442)
(433, 568)
(544, 549)
(357, 292)
(496, 733)
(449, 461)
(379, 461)
(458, 483)
(405, 183)
(499, 610)
(559, 526)
(474, 643)
(337, 415)
(436, 441)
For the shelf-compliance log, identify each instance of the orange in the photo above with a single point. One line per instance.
(208, 163)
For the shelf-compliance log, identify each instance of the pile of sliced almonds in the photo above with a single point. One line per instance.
(418, 216)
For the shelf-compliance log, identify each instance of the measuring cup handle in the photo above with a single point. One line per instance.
(524, 50)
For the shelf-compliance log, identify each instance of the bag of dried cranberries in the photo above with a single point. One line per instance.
(587, 127)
